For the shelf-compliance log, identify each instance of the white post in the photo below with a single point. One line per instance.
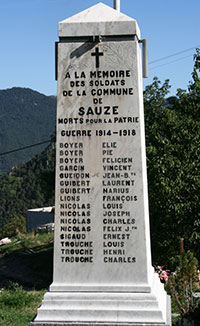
(145, 58)
(116, 5)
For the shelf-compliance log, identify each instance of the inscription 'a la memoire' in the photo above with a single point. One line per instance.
(100, 74)
(97, 84)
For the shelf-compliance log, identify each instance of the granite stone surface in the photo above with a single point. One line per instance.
(98, 20)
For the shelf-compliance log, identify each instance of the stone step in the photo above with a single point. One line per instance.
(104, 315)
(107, 304)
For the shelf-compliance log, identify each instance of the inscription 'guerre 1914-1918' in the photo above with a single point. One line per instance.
(102, 260)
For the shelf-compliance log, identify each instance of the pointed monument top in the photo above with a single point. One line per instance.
(98, 20)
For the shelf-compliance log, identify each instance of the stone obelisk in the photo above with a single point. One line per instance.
(102, 259)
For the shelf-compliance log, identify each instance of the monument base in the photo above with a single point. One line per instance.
(106, 308)
(95, 324)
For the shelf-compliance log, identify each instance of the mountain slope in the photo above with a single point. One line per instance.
(26, 117)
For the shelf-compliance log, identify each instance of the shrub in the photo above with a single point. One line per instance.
(16, 225)
(182, 285)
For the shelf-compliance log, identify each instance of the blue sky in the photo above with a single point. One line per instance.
(28, 30)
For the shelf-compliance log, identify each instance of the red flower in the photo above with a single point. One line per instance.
(160, 267)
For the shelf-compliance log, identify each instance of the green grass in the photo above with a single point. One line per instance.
(18, 307)
(25, 263)
(27, 260)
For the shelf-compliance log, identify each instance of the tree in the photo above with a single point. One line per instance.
(173, 138)
(182, 285)
(21, 188)
(17, 224)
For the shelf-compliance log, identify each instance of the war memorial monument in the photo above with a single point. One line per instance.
(102, 258)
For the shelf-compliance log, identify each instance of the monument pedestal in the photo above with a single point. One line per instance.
(142, 307)
(102, 258)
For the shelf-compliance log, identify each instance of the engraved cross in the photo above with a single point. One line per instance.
(97, 54)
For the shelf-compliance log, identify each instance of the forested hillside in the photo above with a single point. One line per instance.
(29, 186)
(26, 117)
